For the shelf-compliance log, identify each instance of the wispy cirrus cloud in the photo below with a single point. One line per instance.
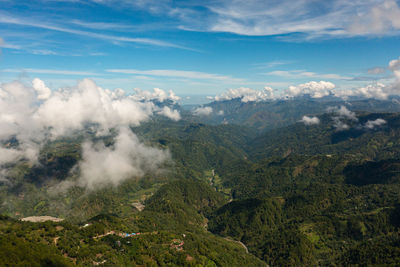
(272, 64)
(6, 19)
(101, 25)
(177, 73)
(340, 18)
(51, 71)
(120, 26)
(314, 19)
(300, 74)
(3, 44)
(376, 70)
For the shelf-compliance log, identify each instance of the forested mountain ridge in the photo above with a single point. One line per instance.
(325, 138)
(273, 114)
(303, 195)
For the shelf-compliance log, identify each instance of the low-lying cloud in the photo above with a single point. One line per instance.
(341, 116)
(30, 116)
(343, 112)
(127, 158)
(310, 120)
(375, 123)
(202, 111)
(173, 114)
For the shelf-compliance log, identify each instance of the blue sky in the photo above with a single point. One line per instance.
(199, 47)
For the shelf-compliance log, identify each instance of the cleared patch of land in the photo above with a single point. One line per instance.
(41, 219)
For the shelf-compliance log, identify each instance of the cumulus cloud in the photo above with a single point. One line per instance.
(157, 95)
(245, 94)
(170, 113)
(394, 64)
(375, 123)
(17, 106)
(125, 159)
(34, 115)
(202, 111)
(377, 90)
(314, 89)
(43, 92)
(310, 120)
(69, 110)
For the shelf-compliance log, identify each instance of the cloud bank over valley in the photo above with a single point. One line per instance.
(31, 116)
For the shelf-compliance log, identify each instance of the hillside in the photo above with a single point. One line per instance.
(161, 238)
(378, 142)
(301, 195)
(273, 114)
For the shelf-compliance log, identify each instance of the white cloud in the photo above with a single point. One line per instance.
(300, 74)
(202, 111)
(70, 110)
(63, 112)
(382, 18)
(314, 89)
(17, 106)
(176, 73)
(306, 18)
(10, 46)
(157, 95)
(394, 64)
(9, 155)
(310, 120)
(127, 158)
(372, 124)
(377, 90)
(376, 70)
(101, 25)
(170, 113)
(314, 19)
(6, 19)
(48, 71)
(272, 64)
(343, 112)
(340, 125)
(245, 94)
(45, 52)
(43, 92)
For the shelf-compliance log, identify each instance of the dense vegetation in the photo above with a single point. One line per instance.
(301, 195)
(268, 115)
